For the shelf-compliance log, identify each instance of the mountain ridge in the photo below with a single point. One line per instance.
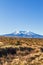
(24, 34)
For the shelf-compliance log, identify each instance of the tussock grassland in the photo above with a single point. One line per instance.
(21, 51)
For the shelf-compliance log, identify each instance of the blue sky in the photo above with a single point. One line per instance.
(21, 15)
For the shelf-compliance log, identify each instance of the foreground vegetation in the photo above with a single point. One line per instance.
(21, 51)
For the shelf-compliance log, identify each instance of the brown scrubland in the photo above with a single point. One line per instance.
(21, 51)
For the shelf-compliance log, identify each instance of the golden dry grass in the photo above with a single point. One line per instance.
(26, 51)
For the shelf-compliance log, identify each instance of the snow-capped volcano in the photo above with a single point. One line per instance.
(19, 32)
(24, 34)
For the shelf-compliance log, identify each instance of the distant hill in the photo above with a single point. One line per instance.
(24, 34)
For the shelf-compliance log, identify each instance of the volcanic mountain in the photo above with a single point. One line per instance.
(24, 34)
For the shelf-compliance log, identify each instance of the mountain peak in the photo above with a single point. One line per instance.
(24, 34)
(20, 32)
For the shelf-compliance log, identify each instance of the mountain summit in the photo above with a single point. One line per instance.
(24, 34)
